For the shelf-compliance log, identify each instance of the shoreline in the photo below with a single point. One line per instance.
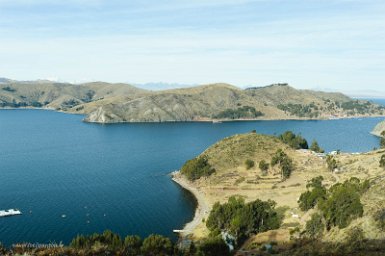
(202, 209)
(202, 120)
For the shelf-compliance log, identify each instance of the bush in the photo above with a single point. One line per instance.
(331, 163)
(198, 167)
(315, 226)
(294, 141)
(263, 166)
(132, 245)
(382, 161)
(310, 198)
(157, 245)
(108, 239)
(343, 203)
(249, 164)
(213, 246)
(316, 148)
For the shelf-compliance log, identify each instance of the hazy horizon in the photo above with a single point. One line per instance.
(336, 45)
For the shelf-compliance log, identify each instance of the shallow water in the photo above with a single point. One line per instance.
(115, 176)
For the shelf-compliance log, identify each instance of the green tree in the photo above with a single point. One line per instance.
(315, 147)
(249, 164)
(157, 245)
(285, 163)
(198, 167)
(316, 192)
(213, 246)
(241, 219)
(264, 166)
(132, 245)
(342, 205)
(315, 226)
(293, 140)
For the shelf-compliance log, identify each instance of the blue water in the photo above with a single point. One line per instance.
(115, 176)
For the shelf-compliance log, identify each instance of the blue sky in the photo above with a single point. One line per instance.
(327, 44)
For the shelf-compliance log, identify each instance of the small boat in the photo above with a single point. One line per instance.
(10, 212)
(64, 216)
(217, 121)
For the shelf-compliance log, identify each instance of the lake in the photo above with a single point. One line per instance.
(116, 176)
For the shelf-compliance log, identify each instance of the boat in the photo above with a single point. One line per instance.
(10, 212)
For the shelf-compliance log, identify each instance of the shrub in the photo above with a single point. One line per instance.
(108, 239)
(198, 167)
(249, 164)
(331, 163)
(263, 166)
(157, 245)
(213, 246)
(382, 161)
(132, 245)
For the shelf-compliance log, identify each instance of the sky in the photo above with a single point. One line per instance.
(335, 45)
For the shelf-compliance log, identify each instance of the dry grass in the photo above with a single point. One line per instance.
(232, 178)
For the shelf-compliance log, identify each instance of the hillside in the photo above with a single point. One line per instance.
(67, 97)
(379, 129)
(111, 103)
(231, 177)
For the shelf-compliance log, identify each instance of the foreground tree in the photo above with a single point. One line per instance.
(342, 205)
(315, 226)
(316, 192)
(157, 245)
(242, 219)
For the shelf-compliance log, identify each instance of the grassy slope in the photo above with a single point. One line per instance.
(232, 178)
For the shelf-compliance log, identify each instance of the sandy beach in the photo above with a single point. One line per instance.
(203, 208)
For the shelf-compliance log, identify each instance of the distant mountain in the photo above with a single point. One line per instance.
(110, 103)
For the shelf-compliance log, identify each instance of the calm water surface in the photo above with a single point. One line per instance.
(115, 176)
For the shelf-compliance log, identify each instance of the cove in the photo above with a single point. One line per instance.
(116, 176)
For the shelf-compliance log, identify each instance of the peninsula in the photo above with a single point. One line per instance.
(113, 103)
(243, 166)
